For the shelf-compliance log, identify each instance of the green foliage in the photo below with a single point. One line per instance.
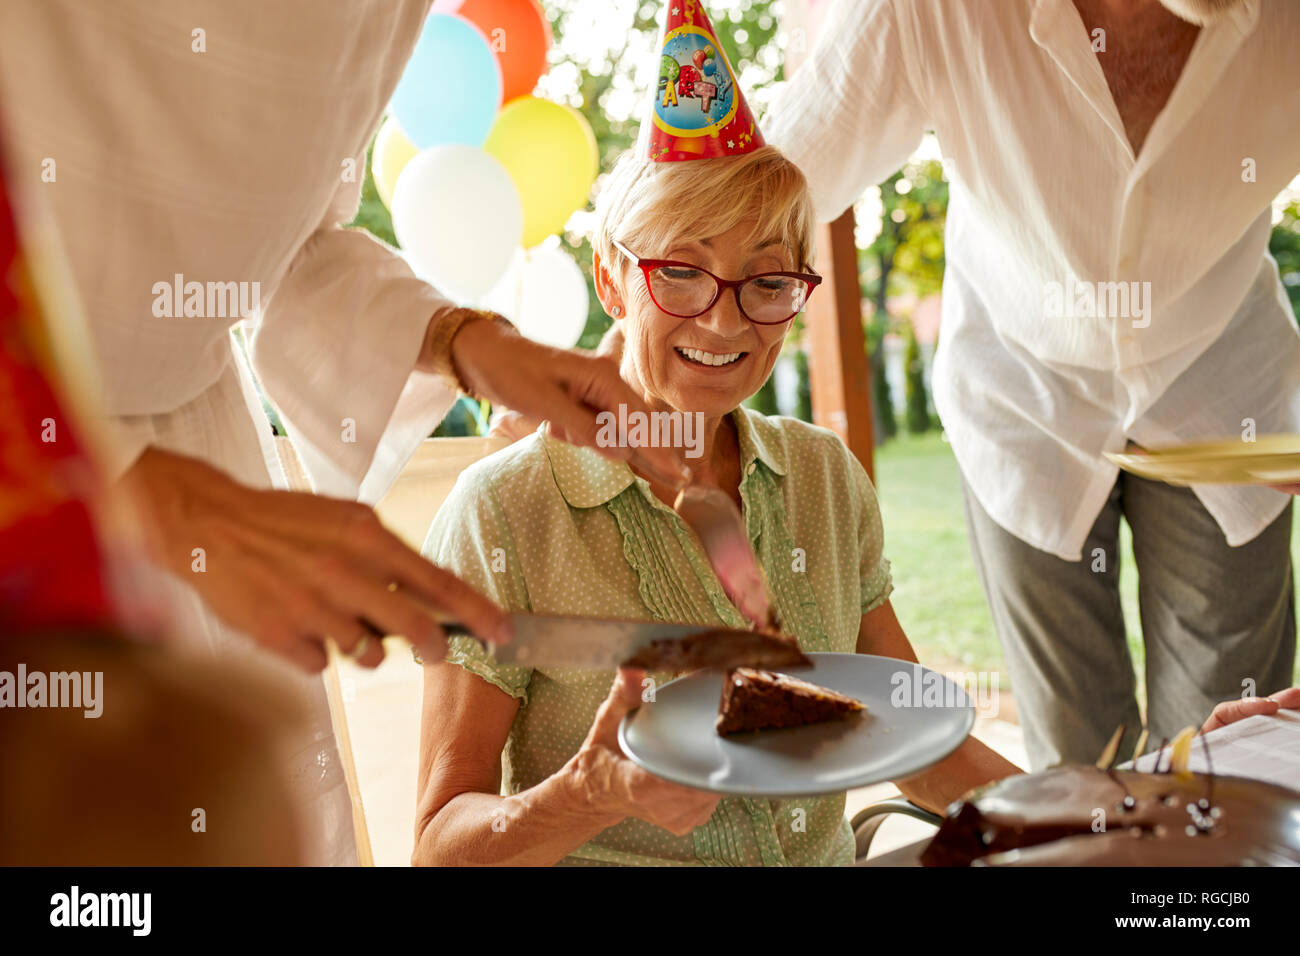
(764, 400)
(1284, 244)
(906, 257)
(373, 215)
(918, 405)
(803, 391)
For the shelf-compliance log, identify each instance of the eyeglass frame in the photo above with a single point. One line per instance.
(721, 285)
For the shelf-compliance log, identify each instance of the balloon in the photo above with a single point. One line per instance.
(544, 294)
(457, 217)
(391, 154)
(550, 153)
(710, 67)
(698, 58)
(451, 88)
(519, 33)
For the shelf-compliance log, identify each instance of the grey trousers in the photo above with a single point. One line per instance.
(1213, 617)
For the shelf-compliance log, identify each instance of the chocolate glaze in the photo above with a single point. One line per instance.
(1047, 819)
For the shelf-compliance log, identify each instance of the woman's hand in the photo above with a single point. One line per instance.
(610, 781)
(1230, 711)
(291, 569)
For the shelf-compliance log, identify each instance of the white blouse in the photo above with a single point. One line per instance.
(225, 143)
(1042, 365)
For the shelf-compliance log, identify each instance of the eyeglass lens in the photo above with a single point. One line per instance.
(764, 298)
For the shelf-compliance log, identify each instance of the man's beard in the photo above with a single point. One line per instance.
(1200, 12)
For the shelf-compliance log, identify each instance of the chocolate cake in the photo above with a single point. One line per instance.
(1087, 816)
(757, 700)
(721, 648)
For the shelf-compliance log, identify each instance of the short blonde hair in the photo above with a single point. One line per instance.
(651, 206)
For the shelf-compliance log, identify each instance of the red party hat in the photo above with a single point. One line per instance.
(698, 110)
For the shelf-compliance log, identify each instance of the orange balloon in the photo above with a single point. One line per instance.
(519, 34)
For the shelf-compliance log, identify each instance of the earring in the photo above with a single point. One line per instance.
(616, 311)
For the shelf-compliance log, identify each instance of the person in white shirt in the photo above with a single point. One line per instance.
(1089, 144)
(224, 143)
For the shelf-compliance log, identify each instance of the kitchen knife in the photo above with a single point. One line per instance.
(602, 644)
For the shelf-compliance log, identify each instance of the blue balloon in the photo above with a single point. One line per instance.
(710, 66)
(450, 91)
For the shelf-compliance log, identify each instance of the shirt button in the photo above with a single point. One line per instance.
(750, 469)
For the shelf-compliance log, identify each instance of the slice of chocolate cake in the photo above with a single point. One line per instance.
(757, 700)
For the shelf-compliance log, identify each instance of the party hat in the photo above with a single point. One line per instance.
(698, 110)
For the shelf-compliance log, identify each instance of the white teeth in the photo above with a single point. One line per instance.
(708, 358)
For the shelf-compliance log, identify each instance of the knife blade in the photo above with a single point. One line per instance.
(542, 640)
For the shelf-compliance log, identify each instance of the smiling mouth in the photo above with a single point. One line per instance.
(710, 359)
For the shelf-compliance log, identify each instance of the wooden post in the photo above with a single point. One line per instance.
(837, 360)
(837, 363)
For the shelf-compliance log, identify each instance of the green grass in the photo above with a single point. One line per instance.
(937, 593)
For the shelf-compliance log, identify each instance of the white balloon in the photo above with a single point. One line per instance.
(544, 294)
(457, 215)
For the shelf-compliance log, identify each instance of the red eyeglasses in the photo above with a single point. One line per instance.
(685, 290)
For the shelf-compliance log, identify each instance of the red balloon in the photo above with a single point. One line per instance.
(519, 34)
(699, 58)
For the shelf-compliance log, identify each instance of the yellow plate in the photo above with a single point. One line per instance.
(1271, 460)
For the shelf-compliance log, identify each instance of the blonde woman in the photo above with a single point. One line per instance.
(702, 265)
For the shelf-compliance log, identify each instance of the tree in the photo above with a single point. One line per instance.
(1284, 244)
(918, 403)
(907, 255)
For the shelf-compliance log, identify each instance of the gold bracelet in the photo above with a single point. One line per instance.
(440, 357)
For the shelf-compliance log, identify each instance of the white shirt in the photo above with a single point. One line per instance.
(240, 163)
(1045, 193)
(225, 142)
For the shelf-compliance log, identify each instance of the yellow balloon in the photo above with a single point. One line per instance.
(391, 154)
(550, 152)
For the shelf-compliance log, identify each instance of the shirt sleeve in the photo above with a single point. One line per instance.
(471, 538)
(335, 351)
(852, 114)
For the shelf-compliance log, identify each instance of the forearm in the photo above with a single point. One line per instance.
(537, 827)
(970, 765)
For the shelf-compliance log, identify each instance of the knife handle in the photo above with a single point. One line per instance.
(452, 628)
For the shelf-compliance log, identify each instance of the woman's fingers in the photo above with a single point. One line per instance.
(423, 591)
(624, 697)
(1233, 710)
(1288, 699)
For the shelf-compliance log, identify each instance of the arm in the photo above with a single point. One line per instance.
(343, 351)
(970, 765)
(461, 819)
(855, 109)
(337, 350)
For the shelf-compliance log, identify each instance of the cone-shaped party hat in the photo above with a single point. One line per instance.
(698, 110)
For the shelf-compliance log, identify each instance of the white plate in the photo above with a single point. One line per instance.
(914, 718)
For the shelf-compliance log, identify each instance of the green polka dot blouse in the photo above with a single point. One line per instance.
(544, 527)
